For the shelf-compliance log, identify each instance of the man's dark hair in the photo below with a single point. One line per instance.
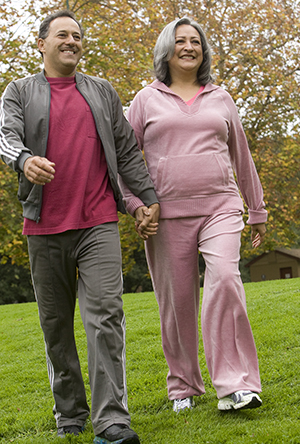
(45, 25)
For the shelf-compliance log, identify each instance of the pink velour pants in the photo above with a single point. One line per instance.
(227, 337)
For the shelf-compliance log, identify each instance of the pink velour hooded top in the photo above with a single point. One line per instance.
(192, 153)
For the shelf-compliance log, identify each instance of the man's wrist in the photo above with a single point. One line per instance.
(22, 159)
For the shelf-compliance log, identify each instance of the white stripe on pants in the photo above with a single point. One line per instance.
(228, 341)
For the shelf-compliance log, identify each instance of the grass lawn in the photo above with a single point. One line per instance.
(273, 307)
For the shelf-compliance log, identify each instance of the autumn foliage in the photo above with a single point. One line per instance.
(256, 53)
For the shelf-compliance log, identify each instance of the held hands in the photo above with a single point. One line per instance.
(146, 223)
(258, 232)
(39, 170)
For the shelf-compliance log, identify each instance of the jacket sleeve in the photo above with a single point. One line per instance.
(134, 178)
(135, 117)
(12, 149)
(246, 174)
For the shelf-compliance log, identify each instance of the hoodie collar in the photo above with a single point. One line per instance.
(163, 87)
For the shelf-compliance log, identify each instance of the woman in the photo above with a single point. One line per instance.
(193, 140)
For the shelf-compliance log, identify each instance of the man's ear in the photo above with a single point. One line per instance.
(41, 45)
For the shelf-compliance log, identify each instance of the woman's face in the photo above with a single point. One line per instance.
(188, 54)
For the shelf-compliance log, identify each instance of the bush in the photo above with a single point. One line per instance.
(16, 286)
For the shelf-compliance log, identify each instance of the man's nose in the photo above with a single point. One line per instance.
(70, 39)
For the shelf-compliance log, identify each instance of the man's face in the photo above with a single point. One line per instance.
(62, 48)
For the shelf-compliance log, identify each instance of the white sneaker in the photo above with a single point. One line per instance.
(182, 404)
(240, 400)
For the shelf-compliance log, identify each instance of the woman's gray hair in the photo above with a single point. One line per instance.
(165, 47)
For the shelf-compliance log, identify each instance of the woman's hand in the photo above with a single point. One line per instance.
(146, 223)
(258, 232)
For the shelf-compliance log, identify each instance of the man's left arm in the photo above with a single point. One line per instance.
(131, 164)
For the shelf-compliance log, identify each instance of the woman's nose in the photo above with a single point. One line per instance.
(188, 45)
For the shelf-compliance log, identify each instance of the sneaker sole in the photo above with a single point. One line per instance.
(182, 410)
(252, 402)
(99, 440)
(187, 407)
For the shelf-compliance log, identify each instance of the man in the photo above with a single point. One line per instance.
(66, 136)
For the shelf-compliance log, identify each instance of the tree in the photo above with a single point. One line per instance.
(280, 171)
(256, 53)
(17, 54)
(18, 58)
(256, 48)
(13, 245)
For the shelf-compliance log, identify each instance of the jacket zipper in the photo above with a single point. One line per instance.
(45, 150)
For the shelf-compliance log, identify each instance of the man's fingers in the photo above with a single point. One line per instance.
(39, 170)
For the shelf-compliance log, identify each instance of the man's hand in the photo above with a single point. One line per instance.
(39, 170)
(146, 223)
(258, 232)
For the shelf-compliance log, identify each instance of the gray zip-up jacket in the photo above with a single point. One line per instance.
(24, 123)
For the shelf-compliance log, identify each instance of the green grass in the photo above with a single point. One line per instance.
(273, 307)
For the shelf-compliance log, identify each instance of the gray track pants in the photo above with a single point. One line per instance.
(54, 260)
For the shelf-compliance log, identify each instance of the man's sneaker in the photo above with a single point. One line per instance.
(71, 430)
(117, 434)
(240, 400)
(181, 404)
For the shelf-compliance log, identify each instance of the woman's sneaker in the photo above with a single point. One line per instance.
(182, 404)
(240, 400)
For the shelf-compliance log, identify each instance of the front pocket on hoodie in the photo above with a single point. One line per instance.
(191, 176)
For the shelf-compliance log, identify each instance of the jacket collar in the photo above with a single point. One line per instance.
(41, 78)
